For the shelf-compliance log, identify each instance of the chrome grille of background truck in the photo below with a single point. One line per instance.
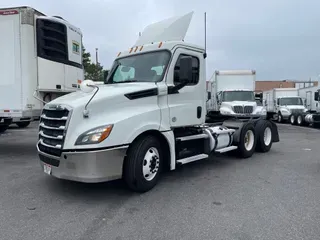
(243, 109)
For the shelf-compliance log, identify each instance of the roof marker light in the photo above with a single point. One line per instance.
(136, 49)
(160, 44)
(141, 47)
(119, 54)
(131, 50)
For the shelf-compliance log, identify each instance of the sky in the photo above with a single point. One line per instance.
(280, 39)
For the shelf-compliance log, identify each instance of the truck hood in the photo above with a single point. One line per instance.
(294, 107)
(110, 93)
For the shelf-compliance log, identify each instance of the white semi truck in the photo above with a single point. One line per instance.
(312, 115)
(231, 93)
(39, 53)
(149, 117)
(283, 103)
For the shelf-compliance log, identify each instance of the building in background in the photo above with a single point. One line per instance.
(268, 85)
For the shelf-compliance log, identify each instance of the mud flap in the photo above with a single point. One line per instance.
(275, 133)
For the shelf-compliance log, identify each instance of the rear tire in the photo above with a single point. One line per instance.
(143, 164)
(23, 124)
(293, 119)
(264, 136)
(300, 120)
(247, 141)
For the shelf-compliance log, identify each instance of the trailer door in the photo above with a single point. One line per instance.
(10, 73)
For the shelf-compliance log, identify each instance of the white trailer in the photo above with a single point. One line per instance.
(231, 94)
(312, 115)
(283, 102)
(149, 117)
(38, 53)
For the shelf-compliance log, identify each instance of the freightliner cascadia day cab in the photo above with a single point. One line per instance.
(231, 94)
(283, 103)
(39, 53)
(312, 115)
(148, 117)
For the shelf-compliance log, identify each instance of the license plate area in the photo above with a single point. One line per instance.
(47, 169)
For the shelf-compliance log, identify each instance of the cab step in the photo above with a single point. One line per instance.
(192, 137)
(226, 149)
(192, 158)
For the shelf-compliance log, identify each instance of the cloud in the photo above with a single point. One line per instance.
(279, 39)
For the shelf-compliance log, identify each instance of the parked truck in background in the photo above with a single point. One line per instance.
(231, 94)
(148, 117)
(283, 103)
(312, 115)
(39, 53)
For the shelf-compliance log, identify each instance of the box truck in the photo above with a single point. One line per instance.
(231, 93)
(41, 57)
(283, 102)
(148, 117)
(312, 115)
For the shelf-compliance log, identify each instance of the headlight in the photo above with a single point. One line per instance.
(225, 112)
(95, 135)
(263, 111)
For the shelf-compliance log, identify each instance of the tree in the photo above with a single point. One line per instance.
(92, 71)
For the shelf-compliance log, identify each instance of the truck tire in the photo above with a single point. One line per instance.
(280, 118)
(143, 164)
(300, 120)
(3, 128)
(247, 141)
(264, 136)
(23, 124)
(293, 119)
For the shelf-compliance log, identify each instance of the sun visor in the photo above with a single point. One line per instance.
(172, 29)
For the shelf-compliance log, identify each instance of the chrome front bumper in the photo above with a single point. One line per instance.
(86, 166)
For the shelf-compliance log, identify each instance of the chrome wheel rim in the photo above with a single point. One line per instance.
(151, 163)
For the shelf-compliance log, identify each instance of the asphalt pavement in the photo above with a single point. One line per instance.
(269, 196)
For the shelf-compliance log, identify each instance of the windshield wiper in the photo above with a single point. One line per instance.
(127, 81)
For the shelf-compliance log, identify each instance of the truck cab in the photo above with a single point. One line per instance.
(148, 117)
(287, 106)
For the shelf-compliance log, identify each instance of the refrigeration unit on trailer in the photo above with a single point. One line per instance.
(40, 53)
(283, 102)
(231, 93)
(148, 117)
(312, 115)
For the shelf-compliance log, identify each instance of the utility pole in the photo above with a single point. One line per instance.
(97, 56)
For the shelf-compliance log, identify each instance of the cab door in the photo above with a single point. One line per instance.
(187, 106)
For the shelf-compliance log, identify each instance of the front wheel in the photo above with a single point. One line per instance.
(247, 141)
(280, 118)
(143, 164)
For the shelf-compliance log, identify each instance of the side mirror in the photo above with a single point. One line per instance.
(316, 96)
(185, 71)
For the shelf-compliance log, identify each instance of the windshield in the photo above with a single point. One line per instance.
(291, 101)
(147, 67)
(230, 96)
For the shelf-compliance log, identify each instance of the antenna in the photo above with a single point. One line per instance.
(205, 35)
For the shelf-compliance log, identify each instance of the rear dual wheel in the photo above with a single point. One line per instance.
(255, 138)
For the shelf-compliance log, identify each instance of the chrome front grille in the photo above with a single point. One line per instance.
(243, 109)
(53, 124)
